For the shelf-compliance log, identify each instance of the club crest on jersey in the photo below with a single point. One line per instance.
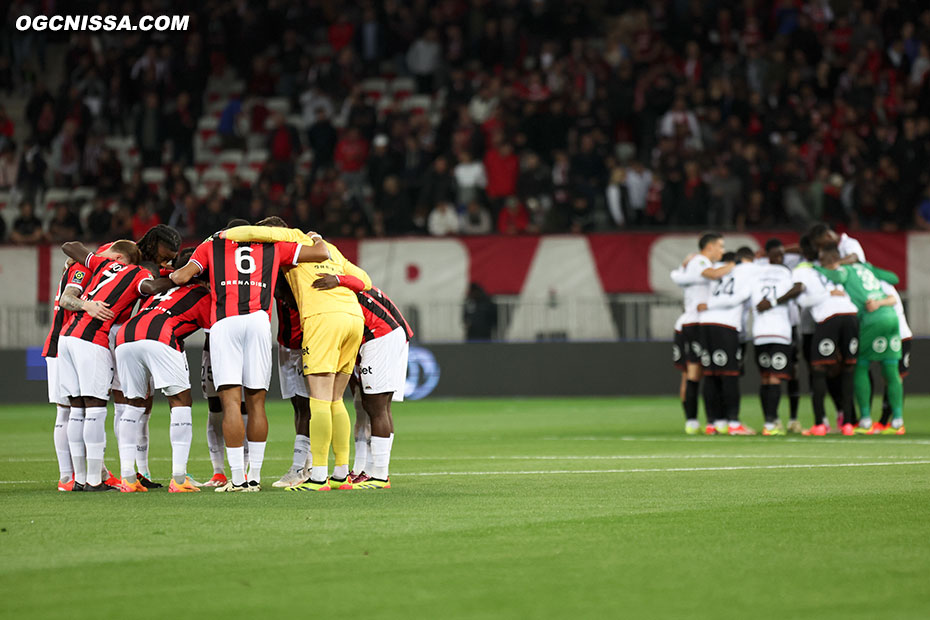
(765, 361)
(696, 347)
(705, 359)
(720, 357)
(895, 343)
(826, 347)
(854, 346)
(880, 345)
(779, 361)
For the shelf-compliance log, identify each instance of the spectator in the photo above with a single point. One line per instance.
(181, 125)
(394, 207)
(581, 216)
(922, 212)
(618, 198)
(470, 178)
(350, 156)
(213, 217)
(479, 314)
(65, 225)
(66, 156)
(121, 225)
(476, 220)
(31, 176)
(681, 124)
(513, 218)
(144, 218)
(8, 166)
(228, 127)
(638, 180)
(99, 220)
(502, 167)
(382, 162)
(726, 192)
(534, 185)
(284, 147)
(438, 184)
(6, 125)
(136, 191)
(369, 37)
(27, 228)
(443, 220)
(150, 131)
(322, 138)
(423, 59)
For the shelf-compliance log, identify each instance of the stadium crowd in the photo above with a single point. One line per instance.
(472, 117)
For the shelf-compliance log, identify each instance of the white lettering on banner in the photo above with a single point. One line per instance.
(426, 278)
(562, 297)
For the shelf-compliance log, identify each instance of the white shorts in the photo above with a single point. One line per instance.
(117, 384)
(290, 373)
(54, 383)
(146, 361)
(382, 365)
(240, 351)
(84, 368)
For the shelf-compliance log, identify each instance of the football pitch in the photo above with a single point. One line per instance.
(541, 508)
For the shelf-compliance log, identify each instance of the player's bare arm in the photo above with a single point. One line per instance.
(182, 276)
(156, 286)
(715, 273)
(76, 251)
(71, 302)
(874, 304)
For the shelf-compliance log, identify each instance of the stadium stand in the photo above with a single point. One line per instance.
(552, 116)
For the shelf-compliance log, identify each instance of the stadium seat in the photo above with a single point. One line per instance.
(278, 104)
(374, 88)
(214, 176)
(418, 104)
(305, 161)
(256, 159)
(247, 174)
(154, 178)
(83, 195)
(55, 196)
(192, 176)
(230, 160)
(206, 127)
(403, 87)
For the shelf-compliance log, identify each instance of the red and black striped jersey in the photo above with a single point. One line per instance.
(290, 334)
(169, 317)
(242, 275)
(76, 276)
(116, 285)
(381, 315)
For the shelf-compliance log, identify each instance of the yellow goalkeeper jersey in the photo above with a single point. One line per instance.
(310, 301)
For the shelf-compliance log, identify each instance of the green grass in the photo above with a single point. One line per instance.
(660, 525)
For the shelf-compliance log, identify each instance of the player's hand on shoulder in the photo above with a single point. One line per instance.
(838, 292)
(872, 305)
(98, 310)
(688, 258)
(764, 305)
(326, 282)
(702, 307)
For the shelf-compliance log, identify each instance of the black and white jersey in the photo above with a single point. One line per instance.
(695, 286)
(728, 297)
(816, 297)
(774, 325)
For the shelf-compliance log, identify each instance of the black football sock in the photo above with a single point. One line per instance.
(794, 397)
(730, 397)
(847, 390)
(819, 389)
(770, 395)
(886, 408)
(690, 404)
(711, 398)
(835, 389)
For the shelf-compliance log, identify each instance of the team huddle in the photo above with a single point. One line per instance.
(821, 299)
(334, 330)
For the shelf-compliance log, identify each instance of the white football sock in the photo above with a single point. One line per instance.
(236, 457)
(181, 432)
(76, 444)
(62, 449)
(897, 422)
(865, 423)
(301, 450)
(319, 473)
(245, 437)
(142, 447)
(340, 472)
(381, 454)
(215, 441)
(256, 457)
(118, 409)
(361, 456)
(129, 430)
(95, 437)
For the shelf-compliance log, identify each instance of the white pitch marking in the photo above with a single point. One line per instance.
(557, 472)
(810, 441)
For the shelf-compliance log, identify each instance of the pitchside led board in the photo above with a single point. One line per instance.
(422, 371)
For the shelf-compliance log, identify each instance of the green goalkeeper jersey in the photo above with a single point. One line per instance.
(862, 282)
